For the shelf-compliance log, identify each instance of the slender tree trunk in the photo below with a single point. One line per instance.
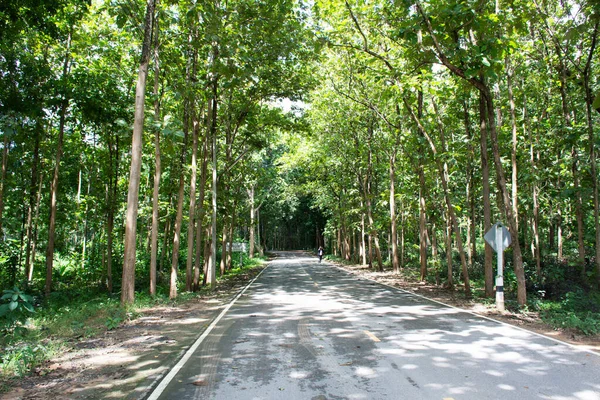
(54, 187)
(4, 170)
(35, 228)
(178, 223)
(402, 223)
(128, 280)
(513, 121)
(200, 205)
(157, 167)
(487, 209)
(32, 202)
(448, 238)
(363, 245)
(394, 228)
(372, 230)
(190, 238)
(111, 200)
(252, 220)
(212, 264)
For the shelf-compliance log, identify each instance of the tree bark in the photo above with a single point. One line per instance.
(128, 280)
(394, 228)
(190, 238)
(157, 167)
(211, 275)
(32, 202)
(4, 170)
(200, 206)
(54, 187)
(487, 207)
(178, 221)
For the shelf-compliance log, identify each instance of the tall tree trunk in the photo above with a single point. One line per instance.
(35, 228)
(178, 220)
(487, 207)
(513, 122)
(128, 280)
(448, 237)
(4, 170)
(211, 275)
(471, 238)
(54, 187)
(394, 228)
(157, 166)
(368, 194)
(363, 245)
(252, 220)
(32, 201)
(190, 238)
(200, 205)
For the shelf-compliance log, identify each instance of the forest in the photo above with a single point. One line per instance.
(140, 140)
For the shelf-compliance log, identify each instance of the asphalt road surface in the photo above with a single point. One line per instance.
(310, 331)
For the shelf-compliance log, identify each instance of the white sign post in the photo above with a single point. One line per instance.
(499, 238)
(237, 247)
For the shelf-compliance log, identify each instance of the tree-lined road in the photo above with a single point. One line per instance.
(305, 330)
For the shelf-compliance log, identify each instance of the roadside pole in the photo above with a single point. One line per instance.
(499, 238)
(500, 272)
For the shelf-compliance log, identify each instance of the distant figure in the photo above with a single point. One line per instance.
(320, 253)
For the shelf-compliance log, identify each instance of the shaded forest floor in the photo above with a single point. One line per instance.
(527, 320)
(125, 363)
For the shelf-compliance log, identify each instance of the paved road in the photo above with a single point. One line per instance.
(310, 331)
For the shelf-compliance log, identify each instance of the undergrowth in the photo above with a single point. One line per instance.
(29, 337)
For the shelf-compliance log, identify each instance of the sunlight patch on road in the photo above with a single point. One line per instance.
(365, 372)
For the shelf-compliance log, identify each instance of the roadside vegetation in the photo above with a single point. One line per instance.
(35, 330)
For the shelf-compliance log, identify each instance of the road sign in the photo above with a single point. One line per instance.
(498, 231)
(238, 247)
(499, 238)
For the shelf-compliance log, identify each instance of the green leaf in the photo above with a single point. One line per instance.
(3, 310)
(12, 305)
(596, 103)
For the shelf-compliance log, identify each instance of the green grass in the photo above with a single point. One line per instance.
(576, 310)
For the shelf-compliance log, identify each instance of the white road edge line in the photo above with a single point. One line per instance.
(577, 347)
(167, 379)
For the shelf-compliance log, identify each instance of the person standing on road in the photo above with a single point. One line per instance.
(320, 253)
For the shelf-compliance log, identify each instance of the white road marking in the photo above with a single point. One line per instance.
(372, 336)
